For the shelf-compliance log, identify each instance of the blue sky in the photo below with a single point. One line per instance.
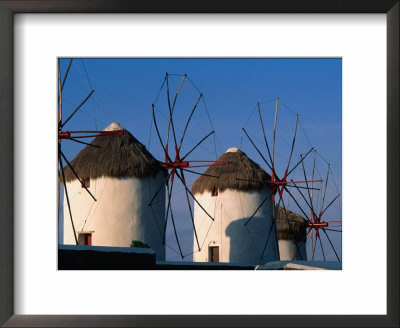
(126, 88)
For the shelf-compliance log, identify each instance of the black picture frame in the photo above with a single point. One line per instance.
(7, 10)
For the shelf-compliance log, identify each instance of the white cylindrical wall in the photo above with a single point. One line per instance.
(120, 214)
(288, 250)
(237, 243)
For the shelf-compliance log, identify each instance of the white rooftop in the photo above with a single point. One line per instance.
(232, 150)
(114, 126)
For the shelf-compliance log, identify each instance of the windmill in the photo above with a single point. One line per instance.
(286, 180)
(233, 198)
(183, 130)
(75, 136)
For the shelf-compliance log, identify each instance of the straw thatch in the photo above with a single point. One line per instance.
(290, 226)
(239, 167)
(117, 156)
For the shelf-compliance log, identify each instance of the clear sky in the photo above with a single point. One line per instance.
(126, 88)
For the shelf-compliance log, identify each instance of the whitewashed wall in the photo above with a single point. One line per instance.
(289, 251)
(121, 213)
(237, 243)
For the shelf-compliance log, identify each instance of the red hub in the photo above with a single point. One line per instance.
(278, 185)
(180, 164)
(176, 164)
(316, 223)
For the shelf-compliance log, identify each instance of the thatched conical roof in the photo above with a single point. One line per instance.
(290, 225)
(116, 156)
(239, 166)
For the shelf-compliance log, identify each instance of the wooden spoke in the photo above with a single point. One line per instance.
(305, 199)
(303, 158)
(294, 199)
(263, 130)
(249, 180)
(259, 206)
(169, 210)
(67, 197)
(188, 121)
(294, 139)
(191, 214)
(197, 145)
(326, 184)
(171, 121)
(169, 192)
(312, 176)
(291, 231)
(84, 143)
(77, 108)
(158, 134)
(273, 225)
(177, 92)
(301, 187)
(175, 232)
(330, 242)
(194, 198)
(314, 247)
(308, 189)
(66, 74)
(333, 230)
(322, 247)
(201, 174)
(330, 204)
(258, 151)
(274, 133)
(160, 188)
(76, 175)
(59, 97)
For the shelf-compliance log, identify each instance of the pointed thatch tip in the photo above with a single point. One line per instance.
(114, 126)
(115, 155)
(232, 150)
(240, 173)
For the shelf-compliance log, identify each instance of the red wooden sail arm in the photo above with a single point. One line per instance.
(282, 182)
(187, 164)
(88, 134)
(178, 163)
(317, 223)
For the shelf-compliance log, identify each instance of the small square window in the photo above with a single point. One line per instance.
(214, 192)
(86, 183)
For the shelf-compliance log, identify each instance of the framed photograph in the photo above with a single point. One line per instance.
(229, 203)
(337, 62)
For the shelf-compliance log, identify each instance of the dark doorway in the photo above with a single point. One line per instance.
(85, 239)
(214, 253)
